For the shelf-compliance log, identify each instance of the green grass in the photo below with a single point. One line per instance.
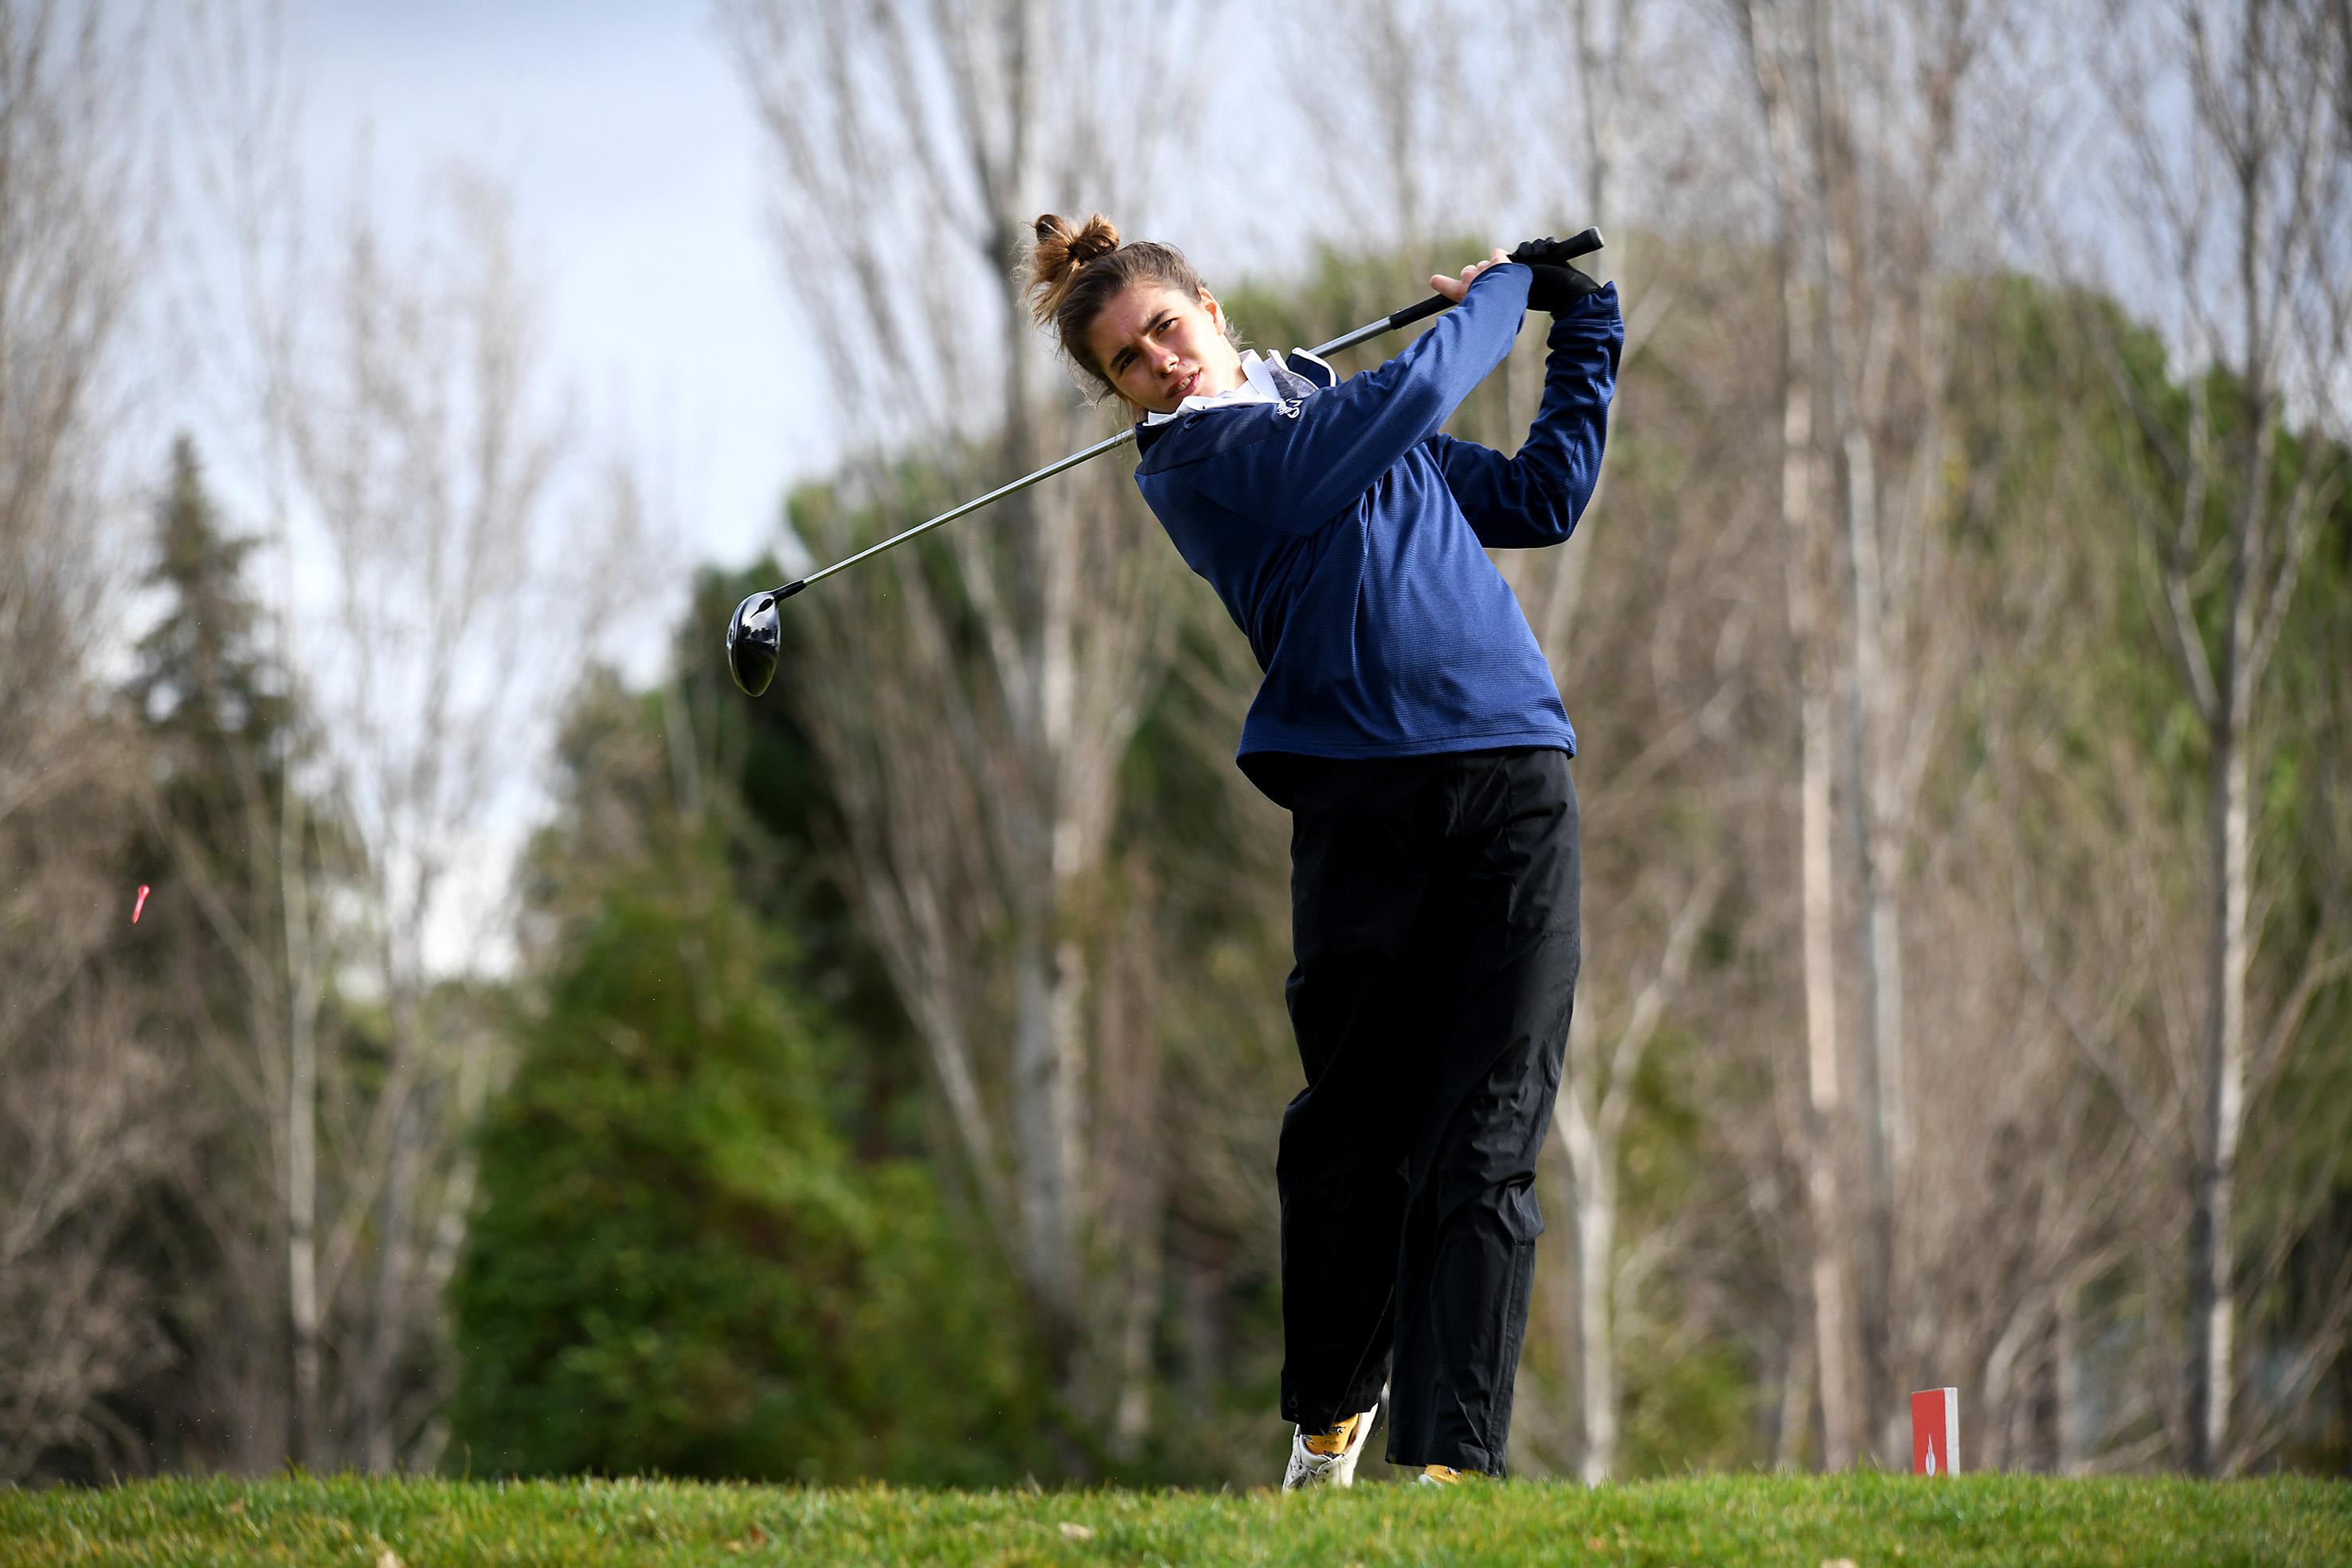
(1863, 1519)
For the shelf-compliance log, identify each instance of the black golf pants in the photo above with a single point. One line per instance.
(1434, 914)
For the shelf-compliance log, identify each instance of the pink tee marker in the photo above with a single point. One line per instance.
(140, 905)
(1935, 1432)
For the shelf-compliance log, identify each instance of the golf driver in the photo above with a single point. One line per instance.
(753, 632)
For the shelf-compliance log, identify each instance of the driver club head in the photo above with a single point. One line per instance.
(752, 637)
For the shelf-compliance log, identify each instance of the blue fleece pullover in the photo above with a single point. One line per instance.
(1343, 533)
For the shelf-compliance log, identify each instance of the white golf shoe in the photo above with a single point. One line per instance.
(1309, 1467)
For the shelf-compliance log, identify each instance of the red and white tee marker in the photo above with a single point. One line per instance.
(135, 908)
(1935, 1432)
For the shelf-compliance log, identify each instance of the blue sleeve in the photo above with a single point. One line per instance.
(1534, 499)
(1345, 436)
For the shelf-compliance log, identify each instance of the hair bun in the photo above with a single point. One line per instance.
(1054, 261)
(1099, 237)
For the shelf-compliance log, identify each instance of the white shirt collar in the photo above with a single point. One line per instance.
(1258, 386)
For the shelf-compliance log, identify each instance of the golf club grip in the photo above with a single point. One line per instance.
(1584, 244)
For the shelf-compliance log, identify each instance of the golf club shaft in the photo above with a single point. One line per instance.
(1582, 244)
(1047, 472)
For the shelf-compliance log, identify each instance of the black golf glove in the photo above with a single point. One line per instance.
(1557, 286)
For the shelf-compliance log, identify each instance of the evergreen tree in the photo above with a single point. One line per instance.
(677, 1263)
(202, 679)
(221, 730)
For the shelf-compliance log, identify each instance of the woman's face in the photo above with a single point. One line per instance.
(1160, 346)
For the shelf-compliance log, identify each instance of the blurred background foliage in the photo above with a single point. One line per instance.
(881, 1079)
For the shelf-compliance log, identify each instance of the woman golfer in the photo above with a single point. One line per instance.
(1409, 722)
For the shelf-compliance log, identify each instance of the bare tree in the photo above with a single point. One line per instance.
(413, 450)
(1776, 44)
(428, 456)
(1868, 111)
(88, 1124)
(1596, 1096)
(1606, 67)
(240, 109)
(1895, 103)
(1400, 100)
(85, 1101)
(2250, 196)
(424, 442)
(2028, 1190)
(70, 170)
(2026, 1187)
(912, 143)
(1605, 71)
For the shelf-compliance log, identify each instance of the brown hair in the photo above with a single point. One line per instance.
(1071, 273)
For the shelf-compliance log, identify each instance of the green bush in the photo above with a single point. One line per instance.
(675, 1266)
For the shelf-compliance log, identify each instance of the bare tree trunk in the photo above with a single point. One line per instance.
(307, 1441)
(1877, 190)
(2236, 671)
(2214, 1189)
(1845, 286)
(371, 1437)
(1796, 1400)
(2073, 1439)
(1821, 1152)
(1048, 972)
(1833, 1331)
(1045, 1131)
(1594, 1186)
